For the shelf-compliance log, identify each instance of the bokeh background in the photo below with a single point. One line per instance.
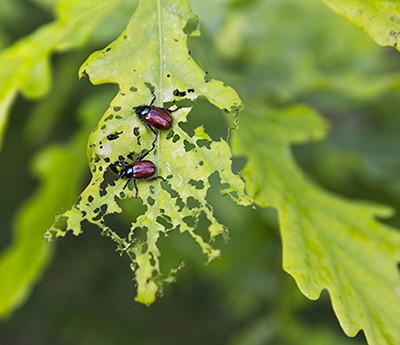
(273, 52)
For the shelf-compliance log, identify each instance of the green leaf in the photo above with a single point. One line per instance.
(60, 169)
(270, 329)
(25, 259)
(379, 19)
(152, 55)
(328, 242)
(26, 64)
(292, 49)
(26, 69)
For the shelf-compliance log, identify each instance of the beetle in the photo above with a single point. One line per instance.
(138, 169)
(155, 117)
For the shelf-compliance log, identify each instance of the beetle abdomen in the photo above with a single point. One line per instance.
(159, 118)
(143, 169)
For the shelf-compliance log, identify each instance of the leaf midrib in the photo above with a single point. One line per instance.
(161, 49)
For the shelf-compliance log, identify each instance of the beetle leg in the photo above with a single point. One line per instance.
(155, 178)
(153, 144)
(129, 180)
(172, 111)
(136, 188)
(122, 174)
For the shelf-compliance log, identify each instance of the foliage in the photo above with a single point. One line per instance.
(380, 19)
(28, 71)
(278, 56)
(328, 242)
(164, 65)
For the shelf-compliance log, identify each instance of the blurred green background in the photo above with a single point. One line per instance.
(275, 53)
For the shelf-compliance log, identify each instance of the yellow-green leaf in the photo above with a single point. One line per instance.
(328, 242)
(25, 66)
(379, 19)
(60, 170)
(151, 55)
(24, 260)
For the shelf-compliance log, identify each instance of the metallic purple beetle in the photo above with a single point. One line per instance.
(155, 118)
(139, 169)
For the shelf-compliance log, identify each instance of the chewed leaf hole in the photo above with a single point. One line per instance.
(179, 202)
(202, 226)
(190, 221)
(164, 222)
(172, 192)
(188, 146)
(114, 222)
(139, 235)
(192, 203)
(103, 208)
(99, 216)
(197, 184)
(175, 138)
(109, 178)
(204, 143)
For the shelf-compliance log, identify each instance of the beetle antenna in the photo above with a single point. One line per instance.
(113, 167)
(122, 161)
(154, 98)
(144, 154)
(130, 156)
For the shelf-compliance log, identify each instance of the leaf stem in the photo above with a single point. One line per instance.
(161, 49)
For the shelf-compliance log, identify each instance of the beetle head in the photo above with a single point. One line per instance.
(142, 110)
